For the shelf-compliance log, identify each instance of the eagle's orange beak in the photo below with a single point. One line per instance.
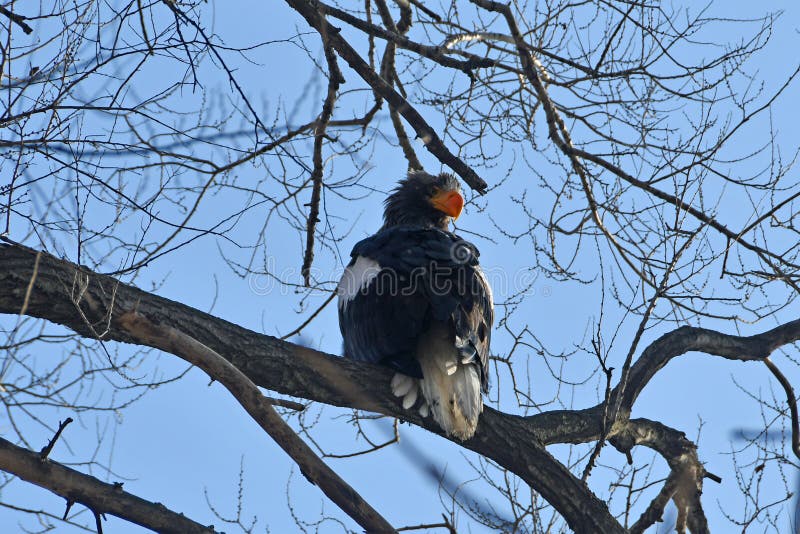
(448, 202)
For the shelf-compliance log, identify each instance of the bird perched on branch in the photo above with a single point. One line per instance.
(414, 298)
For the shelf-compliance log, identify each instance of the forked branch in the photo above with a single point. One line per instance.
(314, 15)
(261, 410)
(302, 372)
(99, 497)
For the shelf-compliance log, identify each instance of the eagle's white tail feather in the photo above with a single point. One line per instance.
(451, 388)
(467, 388)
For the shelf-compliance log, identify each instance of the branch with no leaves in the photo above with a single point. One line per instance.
(296, 370)
(19, 20)
(683, 486)
(302, 372)
(561, 137)
(335, 79)
(45, 452)
(389, 73)
(99, 497)
(314, 15)
(655, 510)
(261, 410)
(433, 53)
(791, 399)
(686, 339)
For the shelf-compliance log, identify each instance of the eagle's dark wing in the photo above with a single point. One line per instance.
(403, 279)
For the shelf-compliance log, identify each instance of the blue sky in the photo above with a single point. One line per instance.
(188, 439)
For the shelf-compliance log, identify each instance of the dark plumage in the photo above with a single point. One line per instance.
(415, 299)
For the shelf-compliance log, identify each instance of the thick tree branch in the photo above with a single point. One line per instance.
(303, 372)
(98, 496)
(286, 368)
(580, 426)
(684, 486)
(688, 339)
(261, 410)
(791, 400)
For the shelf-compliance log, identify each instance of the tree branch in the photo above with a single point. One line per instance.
(684, 485)
(289, 369)
(261, 410)
(302, 372)
(686, 339)
(335, 79)
(434, 53)
(314, 15)
(45, 452)
(16, 19)
(99, 497)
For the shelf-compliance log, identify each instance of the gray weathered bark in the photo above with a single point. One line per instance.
(92, 304)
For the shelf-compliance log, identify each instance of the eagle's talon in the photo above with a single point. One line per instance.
(424, 410)
(402, 384)
(410, 398)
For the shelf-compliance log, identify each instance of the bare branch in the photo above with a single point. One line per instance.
(685, 482)
(791, 400)
(261, 410)
(315, 18)
(45, 452)
(292, 370)
(99, 497)
(335, 79)
(19, 20)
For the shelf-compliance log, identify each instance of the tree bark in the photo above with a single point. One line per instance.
(92, 304)
(99, 497)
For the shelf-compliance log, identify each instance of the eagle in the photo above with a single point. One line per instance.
(414, 298)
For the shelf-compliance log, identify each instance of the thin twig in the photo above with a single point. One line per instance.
(444, 524)
(613, 36)
(45, 452)
(389, 74)
(419, 5)
(335, 79)
(145, 37)
(608, 371)
(313, 13)
(310, 317)
(31, 282)
(791, 400)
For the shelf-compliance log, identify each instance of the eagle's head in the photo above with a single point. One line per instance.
(424, 200)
